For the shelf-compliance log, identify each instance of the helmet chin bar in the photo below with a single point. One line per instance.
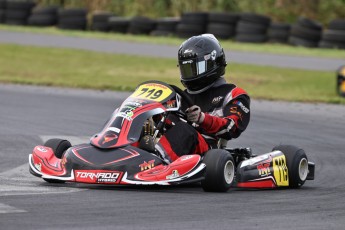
(200, 90)
(216, 83)
(201, 83)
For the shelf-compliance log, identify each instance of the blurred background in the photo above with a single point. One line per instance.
(309, 36)
(279, 10)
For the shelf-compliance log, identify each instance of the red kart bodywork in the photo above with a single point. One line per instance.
(44, 163)
(111, 156)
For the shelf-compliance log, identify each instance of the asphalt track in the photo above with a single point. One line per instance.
(29, 115)
(166, 51)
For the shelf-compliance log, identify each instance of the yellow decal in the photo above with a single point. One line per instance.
(147, 165)
(152, 91)
(280, 170)
(342, 87)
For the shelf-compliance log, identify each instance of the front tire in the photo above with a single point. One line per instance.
(297, 163)
(220, 171)
(59, 147)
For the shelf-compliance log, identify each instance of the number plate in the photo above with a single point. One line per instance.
(152, 91)
(280, 170)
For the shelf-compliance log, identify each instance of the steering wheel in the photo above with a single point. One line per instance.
(185, 98)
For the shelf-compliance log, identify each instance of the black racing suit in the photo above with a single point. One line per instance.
(227, 114)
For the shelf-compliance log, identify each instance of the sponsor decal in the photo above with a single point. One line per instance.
(213, 55)
(187, 62)
(126, 115)
(147, 165)
(216, 100)
(94, 176)
(207, 57)
(245, 109)
(171, 103)
(41, 149)
(129, 107)
(280, 170)
(133, 103)
(38, 167)
(109, 137)
(155, 85)
(174, 174)
(127, 111)
(234, 110)
(187, 51)
(264, 169)
(184, 158)
(114, 129)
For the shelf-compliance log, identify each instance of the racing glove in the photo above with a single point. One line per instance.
(149, 127)
(195, 115)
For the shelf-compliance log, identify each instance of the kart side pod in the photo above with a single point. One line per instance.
(286, 166)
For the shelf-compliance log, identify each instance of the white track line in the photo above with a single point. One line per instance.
(19, 182)
(9, 209)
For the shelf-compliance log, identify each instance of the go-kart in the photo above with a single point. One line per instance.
(113, 157)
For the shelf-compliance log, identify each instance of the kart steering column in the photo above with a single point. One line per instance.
(160, 126)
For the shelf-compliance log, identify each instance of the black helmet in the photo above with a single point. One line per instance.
(202, 61)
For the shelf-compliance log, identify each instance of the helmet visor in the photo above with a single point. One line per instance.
(192, 68)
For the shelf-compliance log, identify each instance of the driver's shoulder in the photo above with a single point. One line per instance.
(224, 89)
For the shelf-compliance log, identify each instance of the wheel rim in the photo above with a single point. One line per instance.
(303, 169)
(229, 171)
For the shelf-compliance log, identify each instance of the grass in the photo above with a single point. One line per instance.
(227, 44)
(86, 69)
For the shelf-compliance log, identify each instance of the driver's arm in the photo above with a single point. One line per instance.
(235, 120)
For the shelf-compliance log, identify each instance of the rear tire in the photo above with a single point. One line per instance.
(220, 171)
(59, 147)
(297, 163)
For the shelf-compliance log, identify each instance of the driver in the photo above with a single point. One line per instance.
(220, 111)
